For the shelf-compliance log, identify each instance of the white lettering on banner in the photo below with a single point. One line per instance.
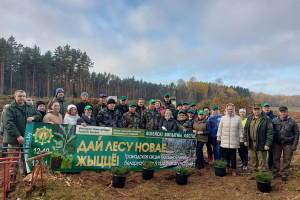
(93, 130)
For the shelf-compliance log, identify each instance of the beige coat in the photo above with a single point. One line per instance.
(230, 131)
(54, 117)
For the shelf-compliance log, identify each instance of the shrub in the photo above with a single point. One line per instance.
(182, 170)
(148, 165)
(219, 163)
(121, 171)
(263, 176)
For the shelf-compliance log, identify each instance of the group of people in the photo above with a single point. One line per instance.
(260, 132)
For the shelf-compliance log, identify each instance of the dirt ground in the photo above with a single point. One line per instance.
(202, 184)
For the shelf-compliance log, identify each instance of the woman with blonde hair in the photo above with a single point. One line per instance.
(53, 116)
(167, 122)
(230, 136)
(160, 107)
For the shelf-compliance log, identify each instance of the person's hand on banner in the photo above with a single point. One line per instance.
(83, 124)
(184, 131)
(30, 119)
(163, 128)
(21, 140)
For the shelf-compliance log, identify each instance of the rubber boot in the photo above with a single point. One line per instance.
(211, 159)
(233, 172)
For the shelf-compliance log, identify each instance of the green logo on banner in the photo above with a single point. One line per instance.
(42, 135)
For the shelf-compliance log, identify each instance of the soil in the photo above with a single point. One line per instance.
(202, 184)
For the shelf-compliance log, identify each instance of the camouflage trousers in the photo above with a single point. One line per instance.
(20, 163)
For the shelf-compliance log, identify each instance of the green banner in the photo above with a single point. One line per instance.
(78, 148)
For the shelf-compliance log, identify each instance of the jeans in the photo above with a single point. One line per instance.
(200, 157)
(216, 148)
(230, 156)
(4, 149)
(243, 153)
(208, 146)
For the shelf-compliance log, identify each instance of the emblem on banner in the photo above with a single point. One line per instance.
(43, 135)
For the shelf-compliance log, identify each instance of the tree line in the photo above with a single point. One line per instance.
(26, 68)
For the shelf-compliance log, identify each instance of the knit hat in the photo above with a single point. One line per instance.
(85, 93)
(40, 103)
(71, 106)
(59, 90)
(111, 101)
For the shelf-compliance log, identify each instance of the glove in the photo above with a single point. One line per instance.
(294, 148)
(219, 142)
(241, 143)
(163, 128)
(184, 131)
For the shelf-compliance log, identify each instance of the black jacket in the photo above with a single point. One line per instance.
(89, 122)
(122, 109)
(138, 110)
(286, 131)
(109, 118)
(80, 107)
(43, 114)
(270, 114)
(170, 124)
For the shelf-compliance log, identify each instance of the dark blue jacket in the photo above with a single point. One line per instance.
(214, 124)
(270, 114)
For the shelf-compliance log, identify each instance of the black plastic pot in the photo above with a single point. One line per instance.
(264, 186)
(119, 181)
(220, 171)
(147, 174)
(181, 179)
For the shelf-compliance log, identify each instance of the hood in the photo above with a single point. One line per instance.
(53, 112)
(216, 116)
(72, 116)
(230, 104)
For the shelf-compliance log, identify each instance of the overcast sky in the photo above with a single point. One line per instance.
(253, 44)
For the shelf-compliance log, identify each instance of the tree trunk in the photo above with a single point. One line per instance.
(2, 75)
(72, 84)
(67, 83)
(33, 79)
(26, 79)
(48, 81)
(11, 77)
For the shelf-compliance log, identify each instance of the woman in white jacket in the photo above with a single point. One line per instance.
(230, 136)
(72, 115)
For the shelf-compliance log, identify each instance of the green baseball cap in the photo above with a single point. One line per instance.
(256, 105)
(88, 107)
(193, 104)
(123, 98)
(266, 104)
(185, 103)
(201, 112)
(167, 95)
(191, 111)
(132, 104)
(181, 111)
(152, 101)
(215, 107)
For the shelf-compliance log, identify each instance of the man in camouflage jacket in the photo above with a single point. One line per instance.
(131, 119)
(151, 117)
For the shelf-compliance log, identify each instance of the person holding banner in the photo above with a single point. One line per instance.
(87, 119)
(167, 122)
(15, 118)
(151, 117)
(131, 119)
(202, 129)
(53, 116)
(110, 116)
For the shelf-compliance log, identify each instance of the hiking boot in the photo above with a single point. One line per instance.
(284, 178)
(233, 172)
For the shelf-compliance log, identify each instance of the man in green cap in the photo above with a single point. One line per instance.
(151, 117)
(122, 107)
(185, 107)
(267, 110)
(168, 104)
(194, 107)
(131, 119)
(258, 136)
